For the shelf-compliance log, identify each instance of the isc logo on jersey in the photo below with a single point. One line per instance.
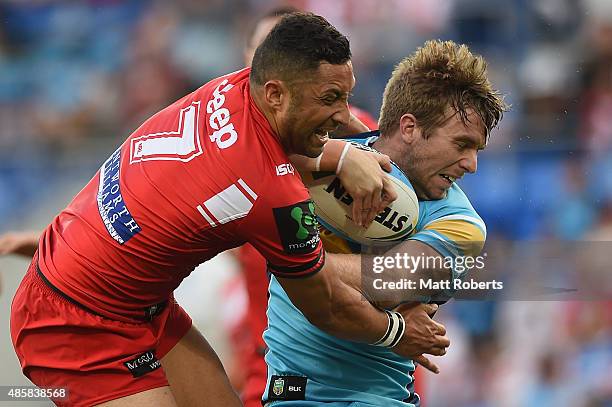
(225, 135)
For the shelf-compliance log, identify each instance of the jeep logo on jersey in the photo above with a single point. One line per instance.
(225, 134)
(298, 227)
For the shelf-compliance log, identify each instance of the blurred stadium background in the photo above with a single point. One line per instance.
(77, 77)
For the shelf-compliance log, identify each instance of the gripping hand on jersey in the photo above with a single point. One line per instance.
(422, 336)
(364, 178)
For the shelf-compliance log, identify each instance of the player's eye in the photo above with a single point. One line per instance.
(329, 100)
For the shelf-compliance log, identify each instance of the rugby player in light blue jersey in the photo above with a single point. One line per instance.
(438, 110)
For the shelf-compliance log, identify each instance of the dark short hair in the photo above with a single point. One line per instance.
(296, 46)
(273, 13)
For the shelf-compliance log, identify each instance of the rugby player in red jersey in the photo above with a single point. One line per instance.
(250, 358)
(95, 313)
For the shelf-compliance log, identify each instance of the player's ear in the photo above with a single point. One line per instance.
(408, 128)
(275, 94)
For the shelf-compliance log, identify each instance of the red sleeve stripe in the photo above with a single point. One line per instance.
(302, 271)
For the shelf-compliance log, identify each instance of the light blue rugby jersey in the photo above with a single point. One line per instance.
(342, 370)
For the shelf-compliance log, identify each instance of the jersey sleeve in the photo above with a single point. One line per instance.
(454, 235)
(283, 227)
(452, 227)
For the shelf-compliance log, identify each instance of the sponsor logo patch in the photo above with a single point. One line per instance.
(143, 364)
(118, 221)
(287, 388)
(284, 169)
(279, 387)
(298, 227)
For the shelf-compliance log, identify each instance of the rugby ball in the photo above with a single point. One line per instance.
(334, 206)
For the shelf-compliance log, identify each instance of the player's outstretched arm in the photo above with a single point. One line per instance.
(334, 307)
(362, 174)
(342, 311)
(22, 243)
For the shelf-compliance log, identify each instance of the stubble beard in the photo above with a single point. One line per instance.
(409, 164)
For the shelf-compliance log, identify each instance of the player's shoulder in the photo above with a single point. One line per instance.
(454, 206)
(363, 140)
(456, 198)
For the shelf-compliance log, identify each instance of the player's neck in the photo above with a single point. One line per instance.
(386, 145)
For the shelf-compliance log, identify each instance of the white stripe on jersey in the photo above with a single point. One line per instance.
(229, 204)
(246, 188)
(208, 218)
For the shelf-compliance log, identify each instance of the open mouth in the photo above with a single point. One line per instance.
(322, 135)
(448, 178)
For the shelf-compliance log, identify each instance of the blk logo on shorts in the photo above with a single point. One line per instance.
(298, 227)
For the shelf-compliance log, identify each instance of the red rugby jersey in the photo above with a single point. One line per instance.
(201, 176)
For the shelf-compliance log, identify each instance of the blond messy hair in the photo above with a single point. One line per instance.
(438, 76)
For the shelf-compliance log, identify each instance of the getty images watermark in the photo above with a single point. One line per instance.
(505, 270)
(401, 262)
